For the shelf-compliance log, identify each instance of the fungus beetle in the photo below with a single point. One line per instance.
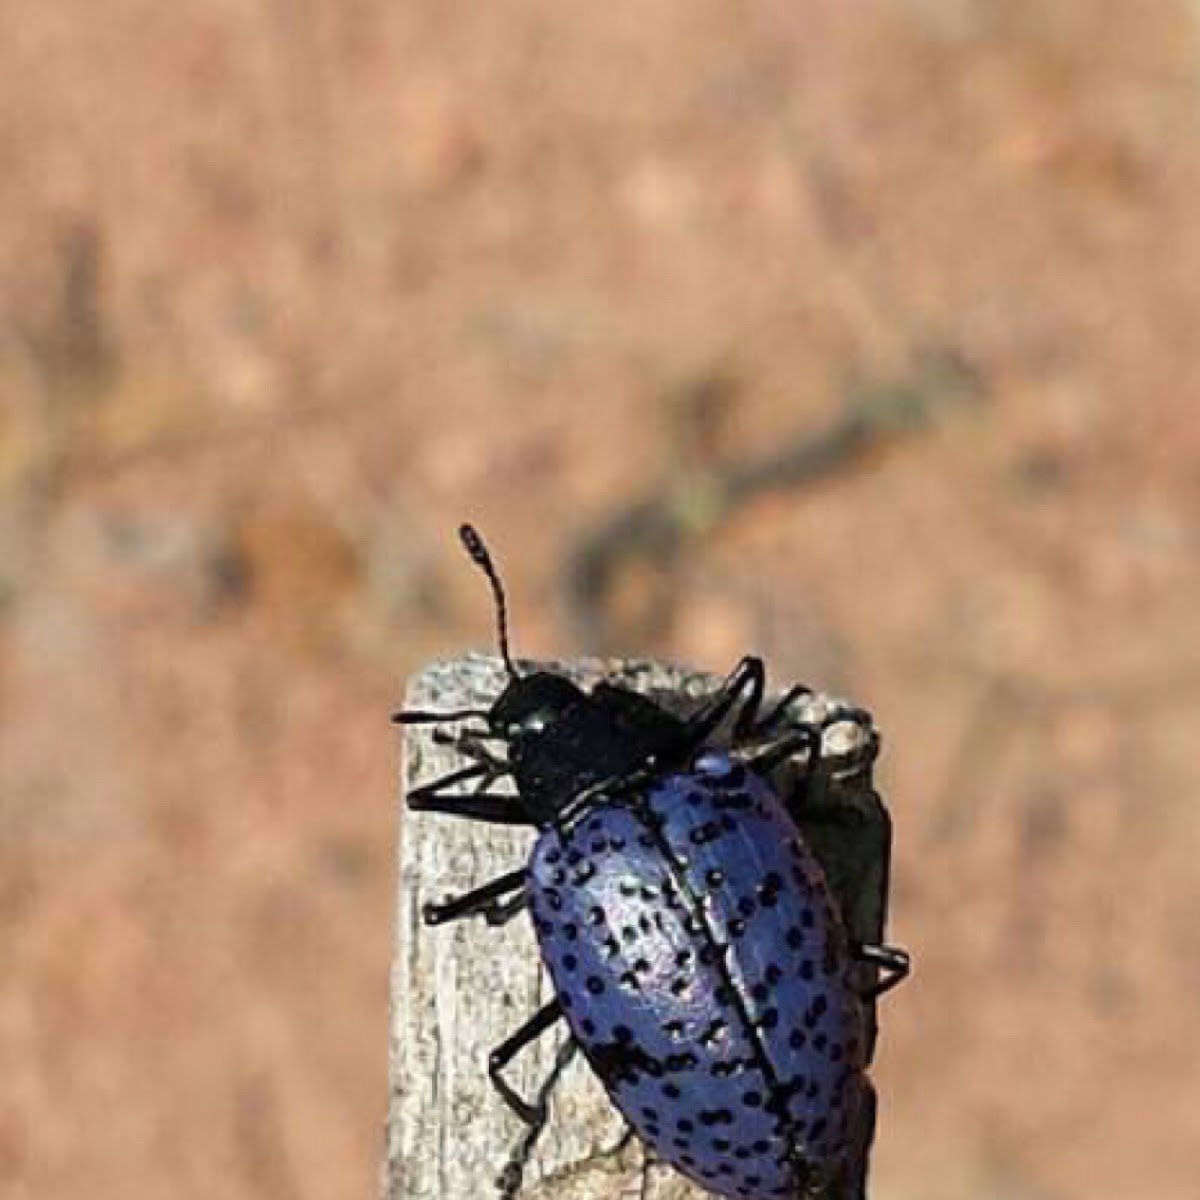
(699, 957)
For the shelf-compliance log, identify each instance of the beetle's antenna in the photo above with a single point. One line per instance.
(483, 560)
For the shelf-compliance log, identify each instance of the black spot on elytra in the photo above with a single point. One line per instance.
(703, 834)
(687, 1061)
(622, 1061)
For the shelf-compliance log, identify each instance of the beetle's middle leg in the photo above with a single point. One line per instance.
(491, 901)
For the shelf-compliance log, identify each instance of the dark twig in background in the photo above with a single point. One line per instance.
(656, 528)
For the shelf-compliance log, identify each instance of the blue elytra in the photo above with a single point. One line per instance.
(704, 972)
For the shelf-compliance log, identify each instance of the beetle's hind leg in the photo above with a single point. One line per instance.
(490, 901)
(892, 963)
(535, 1114)
(647, 1163)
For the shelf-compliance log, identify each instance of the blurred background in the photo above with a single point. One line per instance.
(860, 334)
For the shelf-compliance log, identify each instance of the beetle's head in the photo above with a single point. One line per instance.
(532, 704)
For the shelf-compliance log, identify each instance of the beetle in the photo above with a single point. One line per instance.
(698, 956)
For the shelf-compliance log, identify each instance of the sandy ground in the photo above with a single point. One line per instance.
(289, 289)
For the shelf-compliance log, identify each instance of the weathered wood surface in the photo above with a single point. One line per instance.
(458, 990)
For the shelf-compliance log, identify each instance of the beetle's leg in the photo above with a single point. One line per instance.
(514, 1170)
(475, 772)
(509, 1049)
(773, 723)
(764, 757)
(507, 909)
(770, 719)
(893, 963)
(416, 716)
(471, 746)
(480, 805)
(495, 807)
(482, 901)
(647, 1163)
(746, 683)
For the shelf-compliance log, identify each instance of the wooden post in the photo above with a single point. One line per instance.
(458, 990)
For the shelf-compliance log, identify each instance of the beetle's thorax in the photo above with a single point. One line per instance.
(562, 741)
